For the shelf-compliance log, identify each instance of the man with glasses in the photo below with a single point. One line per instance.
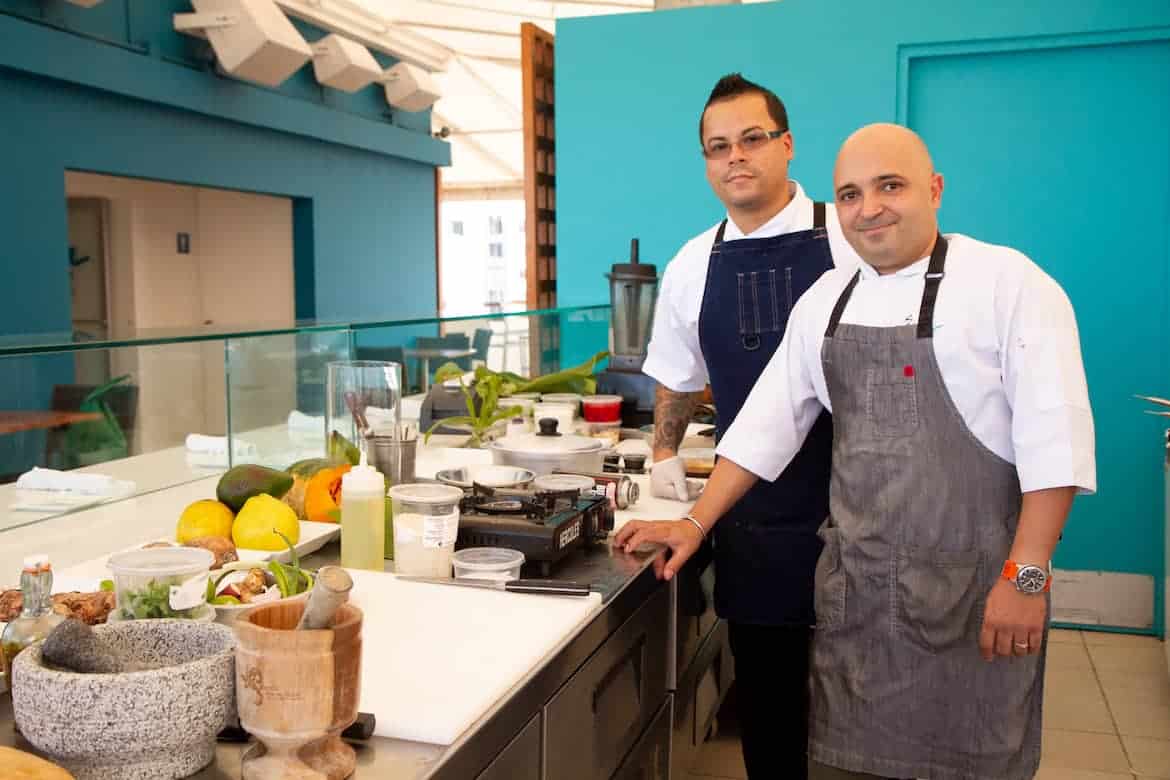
(721, 313)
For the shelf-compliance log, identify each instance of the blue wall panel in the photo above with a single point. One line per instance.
(115, 90)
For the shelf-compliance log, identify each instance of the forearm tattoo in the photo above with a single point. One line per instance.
(672, 413)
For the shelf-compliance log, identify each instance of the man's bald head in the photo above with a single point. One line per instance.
(887, 195)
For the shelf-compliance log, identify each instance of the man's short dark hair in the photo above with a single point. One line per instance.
(732, 86)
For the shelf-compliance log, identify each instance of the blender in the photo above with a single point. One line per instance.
(633, 291)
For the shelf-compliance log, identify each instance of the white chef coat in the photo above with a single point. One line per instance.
(1006, 342)
(673, 356)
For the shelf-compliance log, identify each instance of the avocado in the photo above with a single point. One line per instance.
(309, 466)
(342, 450)
(239, 484)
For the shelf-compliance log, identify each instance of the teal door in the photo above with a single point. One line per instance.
(1039, 150)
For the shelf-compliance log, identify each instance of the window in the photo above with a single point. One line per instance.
(495, 225)
(457, 227)
(496, 249)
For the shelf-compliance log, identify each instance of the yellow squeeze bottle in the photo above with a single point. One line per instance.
(363, 518)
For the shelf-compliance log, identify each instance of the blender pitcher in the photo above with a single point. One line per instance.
(633, 291)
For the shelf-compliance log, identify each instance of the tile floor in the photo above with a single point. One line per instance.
(1106, 713)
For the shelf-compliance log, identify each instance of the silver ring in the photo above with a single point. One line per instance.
(1021, 645)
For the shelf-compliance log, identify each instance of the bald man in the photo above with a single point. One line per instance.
(963, 430)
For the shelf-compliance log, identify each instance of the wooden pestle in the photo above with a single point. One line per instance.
(327, 595)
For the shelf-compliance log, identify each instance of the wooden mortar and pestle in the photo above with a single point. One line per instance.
(298, 675)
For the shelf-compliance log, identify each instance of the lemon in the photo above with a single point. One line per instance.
(255, 524)
(207, 517)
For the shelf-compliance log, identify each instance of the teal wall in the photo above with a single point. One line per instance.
(115, 90)
(1049, 120)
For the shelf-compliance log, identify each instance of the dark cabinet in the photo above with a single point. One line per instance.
(520, 760)
(600, 713)
(650, 758)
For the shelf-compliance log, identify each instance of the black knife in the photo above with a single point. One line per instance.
(539, 587)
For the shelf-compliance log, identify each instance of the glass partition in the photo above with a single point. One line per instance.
(160, 416)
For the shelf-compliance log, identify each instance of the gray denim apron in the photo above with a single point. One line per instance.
(922, 517)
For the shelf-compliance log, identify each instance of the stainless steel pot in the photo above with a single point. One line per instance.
(548, 449)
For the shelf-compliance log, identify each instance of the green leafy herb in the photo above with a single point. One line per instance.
(106, 585)
(490, 386)
(151, 601)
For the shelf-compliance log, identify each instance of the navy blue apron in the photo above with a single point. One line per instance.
(766, 547)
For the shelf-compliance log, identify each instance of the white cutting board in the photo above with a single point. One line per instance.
(435, 658)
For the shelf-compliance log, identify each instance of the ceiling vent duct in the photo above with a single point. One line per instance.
(344, 64)
(252, 39)
(409, 88)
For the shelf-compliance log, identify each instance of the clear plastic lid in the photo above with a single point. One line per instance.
(424, 493)
(161, 561)
(561, 398)
(487, 559)
(563, 482)
(606, 400)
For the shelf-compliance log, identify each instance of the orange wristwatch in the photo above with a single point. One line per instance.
(1026, 577)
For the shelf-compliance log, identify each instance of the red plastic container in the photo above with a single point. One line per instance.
(602, 408)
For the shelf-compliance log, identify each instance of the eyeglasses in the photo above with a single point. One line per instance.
(720, 148)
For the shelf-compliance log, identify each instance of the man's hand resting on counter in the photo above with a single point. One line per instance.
(668, 479)
(728, 484)
(681, 536)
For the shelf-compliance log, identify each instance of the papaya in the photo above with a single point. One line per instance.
(239, 484)
(323, 495)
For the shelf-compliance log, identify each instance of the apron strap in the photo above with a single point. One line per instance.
(842, 302)
(818, 214)
(934, 276)
(719, 236)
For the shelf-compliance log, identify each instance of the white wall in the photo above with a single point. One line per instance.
(238, 273)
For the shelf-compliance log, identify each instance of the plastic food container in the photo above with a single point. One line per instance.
(526, 404)
(161, 582)
(608, 432)
(572, 399)
(602, 408)
(488, 563)
(426, 522)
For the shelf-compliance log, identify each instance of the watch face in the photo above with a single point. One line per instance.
(1031, 579)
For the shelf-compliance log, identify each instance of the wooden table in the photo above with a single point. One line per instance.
(424, 354)
(34, 419)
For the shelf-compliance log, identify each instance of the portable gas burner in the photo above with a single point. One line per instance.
(545, 525)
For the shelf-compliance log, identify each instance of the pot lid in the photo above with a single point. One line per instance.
(548, 440)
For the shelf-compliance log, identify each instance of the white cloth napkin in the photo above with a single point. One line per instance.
(218, 445)
(302, 424)
(68, 482)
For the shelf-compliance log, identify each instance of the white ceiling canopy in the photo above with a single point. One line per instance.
(481, 103)
(472, 48)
